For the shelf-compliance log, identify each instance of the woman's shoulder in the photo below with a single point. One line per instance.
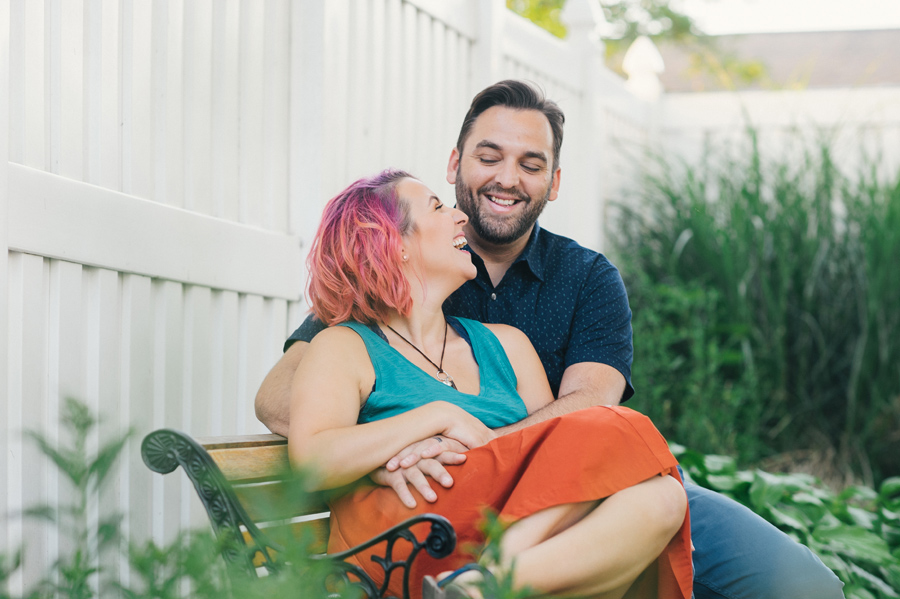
(338, 337)
(496, 328)
(506, 333)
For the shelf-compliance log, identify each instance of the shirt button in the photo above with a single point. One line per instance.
(493, 296)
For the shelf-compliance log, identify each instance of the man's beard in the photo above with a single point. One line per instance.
(494, 228)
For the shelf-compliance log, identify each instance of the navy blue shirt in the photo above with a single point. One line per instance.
(569, 300)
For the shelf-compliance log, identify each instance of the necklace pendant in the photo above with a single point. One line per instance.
(445, 378)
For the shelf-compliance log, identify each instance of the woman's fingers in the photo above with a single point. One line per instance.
(411, 454)
(445, 449)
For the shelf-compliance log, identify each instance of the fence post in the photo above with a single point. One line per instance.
(585, 146)
(487, 53)
(9, 539)
(643, 64)
(307, 113)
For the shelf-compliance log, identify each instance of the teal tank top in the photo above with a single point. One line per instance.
(401, 386)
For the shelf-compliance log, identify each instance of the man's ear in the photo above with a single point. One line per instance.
(554, 186)
(453, 166)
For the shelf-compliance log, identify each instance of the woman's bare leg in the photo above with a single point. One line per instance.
(586, 551)
(540, 526)
(603, 553)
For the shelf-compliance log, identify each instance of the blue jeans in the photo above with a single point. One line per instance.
(738, 555)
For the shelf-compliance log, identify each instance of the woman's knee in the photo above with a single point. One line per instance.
(669, 504)
(675, 503)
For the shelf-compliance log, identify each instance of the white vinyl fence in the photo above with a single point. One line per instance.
(164, 167)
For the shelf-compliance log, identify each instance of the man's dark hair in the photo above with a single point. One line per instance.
(518, 95)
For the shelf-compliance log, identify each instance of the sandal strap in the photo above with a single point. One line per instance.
(470, 567)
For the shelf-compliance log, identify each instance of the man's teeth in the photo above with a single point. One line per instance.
(501, 201)
(459, 242)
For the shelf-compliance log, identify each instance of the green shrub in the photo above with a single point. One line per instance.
(856, 532)
(766, 306)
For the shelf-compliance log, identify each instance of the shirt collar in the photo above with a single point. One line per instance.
(531, 255)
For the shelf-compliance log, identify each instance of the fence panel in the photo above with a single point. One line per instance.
(164, 163)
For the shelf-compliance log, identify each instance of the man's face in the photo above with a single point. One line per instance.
(505, 175)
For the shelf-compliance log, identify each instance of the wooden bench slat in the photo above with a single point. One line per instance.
(255, 462)
(286, 534)
(229, 441)
(266, 501)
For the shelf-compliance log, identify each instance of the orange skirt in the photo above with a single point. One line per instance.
(582, 456)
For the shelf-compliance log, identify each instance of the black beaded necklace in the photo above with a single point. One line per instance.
(440, 374)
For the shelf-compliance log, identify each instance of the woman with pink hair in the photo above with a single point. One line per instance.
(593, 498)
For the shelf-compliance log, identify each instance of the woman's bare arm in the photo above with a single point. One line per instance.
(329, 386)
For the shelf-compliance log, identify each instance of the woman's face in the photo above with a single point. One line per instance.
(435, 241)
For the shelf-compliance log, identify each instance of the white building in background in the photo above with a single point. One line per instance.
(165, 164)
(843, 85)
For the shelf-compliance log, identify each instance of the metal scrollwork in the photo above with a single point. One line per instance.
(165, 449)
(440, 542)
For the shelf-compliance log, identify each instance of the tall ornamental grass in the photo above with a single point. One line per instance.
(766, 299)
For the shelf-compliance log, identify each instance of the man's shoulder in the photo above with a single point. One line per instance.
(555, 248)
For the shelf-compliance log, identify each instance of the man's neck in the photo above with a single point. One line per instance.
(497, 257)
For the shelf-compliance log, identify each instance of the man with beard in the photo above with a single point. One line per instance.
(572, 304)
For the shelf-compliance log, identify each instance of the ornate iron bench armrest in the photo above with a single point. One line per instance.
(165, 449)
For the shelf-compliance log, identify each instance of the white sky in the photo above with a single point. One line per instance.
(744, 16)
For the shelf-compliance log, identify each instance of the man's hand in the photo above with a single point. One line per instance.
(416, 463)
(417, 476)
(448, 452)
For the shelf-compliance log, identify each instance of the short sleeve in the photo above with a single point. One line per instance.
(311, 327)
(601, 330)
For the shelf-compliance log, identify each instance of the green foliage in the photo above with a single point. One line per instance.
(543, 13)
(658, 20)
(189, 565)
(628, 18)
(856, 532)
(765, 300)
(75, 574)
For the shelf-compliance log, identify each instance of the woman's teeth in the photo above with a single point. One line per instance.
(459, 242)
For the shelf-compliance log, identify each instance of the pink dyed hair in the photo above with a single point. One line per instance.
(355, 262)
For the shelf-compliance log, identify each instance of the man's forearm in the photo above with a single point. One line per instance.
(583, 385)
(577, 400)
(273, 400)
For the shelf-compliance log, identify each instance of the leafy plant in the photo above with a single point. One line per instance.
(856, 532)
(74, 574)
(765, 299)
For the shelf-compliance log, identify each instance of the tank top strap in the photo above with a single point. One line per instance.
(499, 375)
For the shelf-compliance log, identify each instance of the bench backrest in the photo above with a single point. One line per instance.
(245, 485)
(255, 466)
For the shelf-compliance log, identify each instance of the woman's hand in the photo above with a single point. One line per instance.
(462, 426)
(446, 451)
